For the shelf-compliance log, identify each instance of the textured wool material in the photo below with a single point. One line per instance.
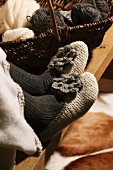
(32, 84)
(41, 20)
(74, 108)
(83, 13)
(13, 14)
(17, 34)
(15, 132)
(41, 110)
(7, 159)
(89, 11)
(103, 7)
(70, 59)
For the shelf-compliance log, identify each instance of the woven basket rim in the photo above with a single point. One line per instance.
(88, 27)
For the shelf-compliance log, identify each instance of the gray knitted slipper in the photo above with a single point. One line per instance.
(70, 59)
(73, 109)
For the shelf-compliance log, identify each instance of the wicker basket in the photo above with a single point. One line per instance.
(36, 52)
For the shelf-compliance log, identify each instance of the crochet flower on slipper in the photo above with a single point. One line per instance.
(68, 83)
(65, 56)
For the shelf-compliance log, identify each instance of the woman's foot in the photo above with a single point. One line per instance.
(73, 108)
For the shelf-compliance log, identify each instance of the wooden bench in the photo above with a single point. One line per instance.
(101, 58)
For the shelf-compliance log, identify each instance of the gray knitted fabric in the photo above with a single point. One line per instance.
(69, 59)
(73, 109)
(15, 132)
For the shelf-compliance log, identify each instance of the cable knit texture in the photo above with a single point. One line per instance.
(13, 14)
(15, 132)
(75, 108)
(17, 34)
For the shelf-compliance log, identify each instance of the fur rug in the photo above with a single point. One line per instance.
(88, 142)
(96, 162)
(92, 132)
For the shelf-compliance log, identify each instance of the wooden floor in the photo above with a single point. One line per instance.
(101, 58)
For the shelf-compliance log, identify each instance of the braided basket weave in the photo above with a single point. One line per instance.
(36, 52)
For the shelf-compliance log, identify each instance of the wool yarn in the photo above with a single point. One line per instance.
(89, 11)
(103, 7)
(17, 34)
(13, 14)
(41, 20)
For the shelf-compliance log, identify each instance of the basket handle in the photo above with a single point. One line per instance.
(55, 27)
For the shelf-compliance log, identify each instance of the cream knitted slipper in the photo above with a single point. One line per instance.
(74, 108)
(69, 59)
(15, 132)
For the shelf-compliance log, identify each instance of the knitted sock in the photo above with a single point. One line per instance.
(7, 159)
(33, 84)
(15, 132)
(74, 108)
(69, 59)
(41, 110)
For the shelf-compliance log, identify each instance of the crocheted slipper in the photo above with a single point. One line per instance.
(69, 59)
(73, 109)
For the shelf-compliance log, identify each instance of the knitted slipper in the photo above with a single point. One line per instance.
(69, 59)
(15, 132)
(73, 109)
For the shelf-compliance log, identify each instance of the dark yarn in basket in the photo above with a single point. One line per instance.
(34, 54)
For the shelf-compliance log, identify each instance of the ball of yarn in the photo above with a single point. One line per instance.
(41, 20)
(103, 8)
(17, 34)
(13, 14)
(89, 11)
(85, 13)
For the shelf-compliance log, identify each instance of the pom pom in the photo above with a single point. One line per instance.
(41, 20)
(13, 14)
(17, 34)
